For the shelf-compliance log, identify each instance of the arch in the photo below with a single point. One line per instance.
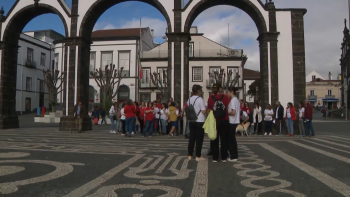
(100, 6)
(245, 5)
(123, 93)
(24, 16)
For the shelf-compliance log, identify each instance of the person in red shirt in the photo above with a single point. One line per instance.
(222, 125)
(129, 111)
(242, 105)
(149, 118)
(141, 116)
(308, 120)
(159, 104)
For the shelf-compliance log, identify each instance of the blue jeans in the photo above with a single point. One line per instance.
(148, 128)
(112, 122)
(130, 125)
(309, 127)
(119, 125)
(268, 126)
(290, 126)
(157, 123)
(163, 122)
(187, 131)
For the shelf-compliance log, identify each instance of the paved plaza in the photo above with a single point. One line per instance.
(43, 162)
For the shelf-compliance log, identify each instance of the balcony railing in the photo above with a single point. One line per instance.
(329, 96)
(312, 96)
(126, 73)
(222, 53)
(29, 63)
(146, 84)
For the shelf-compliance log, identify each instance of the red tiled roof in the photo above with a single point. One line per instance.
(251, 74)
(117, 32)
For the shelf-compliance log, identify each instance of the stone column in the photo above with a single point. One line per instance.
(8, 79)
(264, 71)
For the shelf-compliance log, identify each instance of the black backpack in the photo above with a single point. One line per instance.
(219, 108)
(190, 112)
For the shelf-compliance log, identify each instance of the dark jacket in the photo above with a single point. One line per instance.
(82, 111)
(279, 112)
(103, 113)
(308, 111)
(96, 114)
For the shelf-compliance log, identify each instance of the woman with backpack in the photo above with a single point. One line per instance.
(195, 113)
(290, 118)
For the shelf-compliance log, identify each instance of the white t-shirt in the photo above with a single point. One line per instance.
(234, 105)
(162, 114)
(156, 110)
(198, 106)
(288, 113)
(268, 115)
(245, 115)
(122, 114)
(301, 112)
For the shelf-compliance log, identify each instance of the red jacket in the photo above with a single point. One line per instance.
(129, 110)
(292, 113)
(308, 111)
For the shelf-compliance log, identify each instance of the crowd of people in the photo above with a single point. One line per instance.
(231, 115)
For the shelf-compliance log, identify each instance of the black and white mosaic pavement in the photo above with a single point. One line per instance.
(42, 162)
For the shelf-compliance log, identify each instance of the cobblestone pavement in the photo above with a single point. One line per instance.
(43, 162)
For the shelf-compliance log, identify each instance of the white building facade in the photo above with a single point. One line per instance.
(314, 75)
(35, 53)
(119, 47)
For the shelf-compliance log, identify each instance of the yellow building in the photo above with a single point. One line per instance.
(324, 92)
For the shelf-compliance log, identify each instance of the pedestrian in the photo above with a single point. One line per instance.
(241, 102)
(301, 119)
(173, 115)
(129, 111)
(137, 113)
(159, 103)
(234, 110)
(103, 116)
(141, 116)
(244, 123)
(179, 119)
(90, 114)
(112, 117)
(249, 112)
(308, 120)
(197, 135)
(118, 119)
(218, 103)
(122, 119)
(79, 114)
(257, 118)
(163, 117)
(268, 113)
(279, 117)
(96, 115)
(290, 118)
(168, 122)
(156, 116)
(171, 100)
(149, 118)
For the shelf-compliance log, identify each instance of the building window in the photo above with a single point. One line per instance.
(145, 81)
(312, 92)
(313, 77)
(30, 55)
(42, 86)
(197, 74)
(106, 59)
(29, 84)
(42, 59)
(190, 49)
(56, 61)
(124, 61)
(160, 72)
(234, 72)
(329, 92)
(92, 61)
(123, 94)
(145, 97)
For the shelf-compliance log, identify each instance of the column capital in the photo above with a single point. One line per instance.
(270, 5)
(178, 37)
(268, 36)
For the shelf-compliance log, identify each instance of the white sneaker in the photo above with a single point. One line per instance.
(132, 133)
(265, 133)
(189, 157)
(232, 160)
(270, 134)
(122, 134)
(111, 132)
(114, 132)
(200, 159)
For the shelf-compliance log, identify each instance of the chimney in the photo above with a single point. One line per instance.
(152, 33)
(329, 76)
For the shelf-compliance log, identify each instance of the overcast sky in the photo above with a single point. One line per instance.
(324, 23)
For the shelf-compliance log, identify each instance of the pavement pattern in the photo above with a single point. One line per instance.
(43, 162)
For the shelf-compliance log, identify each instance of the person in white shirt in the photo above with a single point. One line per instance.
(268, 119)
(112, 116)
(245, 124)
(196, 127)
(234, 110)
(156, 116)
(257, 118)
(164, 117)
(122, 118)
(301, 119)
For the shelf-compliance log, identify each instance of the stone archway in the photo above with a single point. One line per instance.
(9, 53)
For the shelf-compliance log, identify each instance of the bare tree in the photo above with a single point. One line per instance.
(161, 81)
(109, 81)
(220, 77)
(54, 82)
